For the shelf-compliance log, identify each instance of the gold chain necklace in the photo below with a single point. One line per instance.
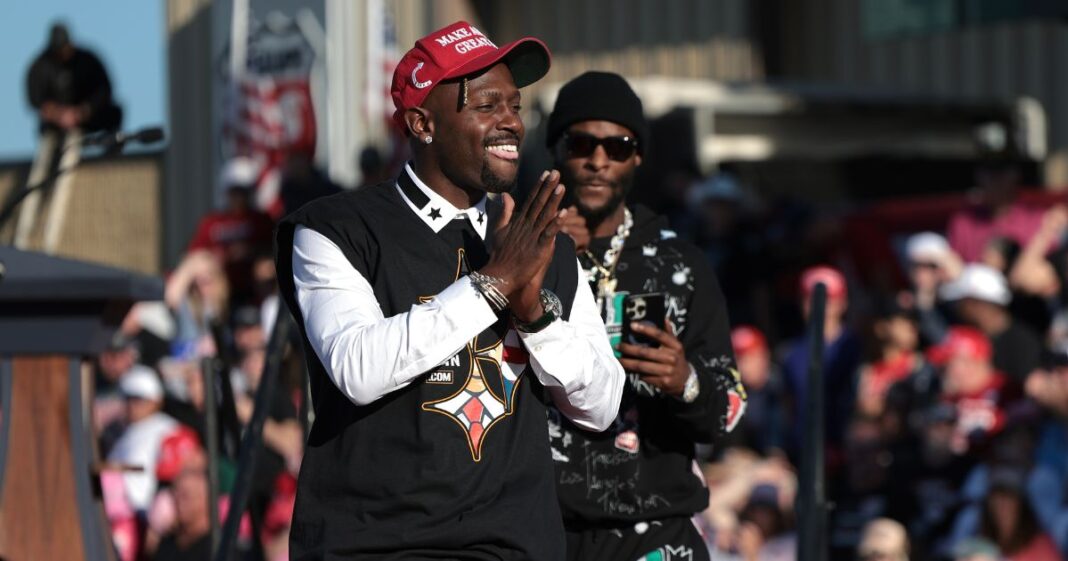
(603, 274)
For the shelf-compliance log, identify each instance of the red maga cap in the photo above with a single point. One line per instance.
(961, 340)
(746, 339)
(175, 449)
(458, 50)
(830, 277)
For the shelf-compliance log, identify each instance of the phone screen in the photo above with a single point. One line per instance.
(648, 308)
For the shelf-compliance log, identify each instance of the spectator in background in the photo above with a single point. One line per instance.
(140, 443)
(932, 476)
(109, 405)
(69, 88)
(761, 427)
(764, 532)
(238, 232)
(373, 168)
(283, 438)
(972, 385)
(931, 264)
(720, 222)
(1009, 520)
(303, 182)
(895, 358)
(1042, 266)
(841, 358)
(1031, 310)
(1012, 453)
(731, 481)
(198, 294)
(1049, 388)
(248, 330)
(993, 211)
(862, 494)
(883, 539)
(982, 296)
(191, 536)
(265, 289)
(180, 451)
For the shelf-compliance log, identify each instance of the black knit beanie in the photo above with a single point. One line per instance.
(597, 96)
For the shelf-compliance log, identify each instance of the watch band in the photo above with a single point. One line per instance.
(551, 304)
(536, 325)
(692, 388)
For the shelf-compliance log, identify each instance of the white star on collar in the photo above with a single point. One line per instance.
(437, 212)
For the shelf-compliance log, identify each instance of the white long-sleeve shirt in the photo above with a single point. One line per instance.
(348, 330)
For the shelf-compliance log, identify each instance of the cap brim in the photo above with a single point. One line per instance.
(528, 59)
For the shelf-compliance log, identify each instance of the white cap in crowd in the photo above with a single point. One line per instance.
(141, 382)
(239, 172)
(980, 282)
(927, 246)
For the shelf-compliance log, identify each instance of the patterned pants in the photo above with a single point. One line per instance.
(673, 539)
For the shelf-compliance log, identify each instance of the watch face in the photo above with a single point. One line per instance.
(551, 303)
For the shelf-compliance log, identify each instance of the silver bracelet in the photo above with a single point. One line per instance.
(487, 287)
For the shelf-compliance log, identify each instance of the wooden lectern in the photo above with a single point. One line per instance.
(54, 313)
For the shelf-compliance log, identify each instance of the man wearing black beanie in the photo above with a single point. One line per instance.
(631, 492)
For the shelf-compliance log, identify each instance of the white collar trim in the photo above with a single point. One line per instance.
(437, 212)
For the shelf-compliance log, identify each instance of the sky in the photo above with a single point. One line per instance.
(128, 35)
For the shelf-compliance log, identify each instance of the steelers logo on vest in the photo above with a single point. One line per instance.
(485, 374)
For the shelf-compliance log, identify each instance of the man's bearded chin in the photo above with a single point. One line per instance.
(595, 216)
(494, 183)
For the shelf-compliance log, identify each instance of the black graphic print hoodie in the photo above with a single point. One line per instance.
(642, 468)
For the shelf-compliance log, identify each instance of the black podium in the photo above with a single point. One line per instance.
(54, 313)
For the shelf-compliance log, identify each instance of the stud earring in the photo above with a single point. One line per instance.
(428, 140)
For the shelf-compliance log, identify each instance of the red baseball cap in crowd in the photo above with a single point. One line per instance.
(829, 276)
(174, 451)
(746, 339)
(458, 50)
(961, 340)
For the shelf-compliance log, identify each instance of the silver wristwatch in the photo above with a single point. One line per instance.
(692, 388)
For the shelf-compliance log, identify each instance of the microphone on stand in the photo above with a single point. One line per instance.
(115, 141)
(112, 142)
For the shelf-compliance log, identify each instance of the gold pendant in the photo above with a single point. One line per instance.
(606, 287)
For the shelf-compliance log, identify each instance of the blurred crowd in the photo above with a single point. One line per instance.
(152, 387)
(946, 395)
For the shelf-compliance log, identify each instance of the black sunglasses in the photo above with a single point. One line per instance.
(582, 145)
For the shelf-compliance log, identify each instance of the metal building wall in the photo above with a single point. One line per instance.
(189, 175)
(824, 42)
(683, 38)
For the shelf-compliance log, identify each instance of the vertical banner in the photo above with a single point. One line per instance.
(382, 59)
(269, 105)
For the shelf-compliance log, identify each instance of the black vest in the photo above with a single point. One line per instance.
(455, 465)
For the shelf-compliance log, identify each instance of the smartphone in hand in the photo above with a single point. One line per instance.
(647, 308)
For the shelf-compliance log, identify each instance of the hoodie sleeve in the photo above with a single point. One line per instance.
(706, 338)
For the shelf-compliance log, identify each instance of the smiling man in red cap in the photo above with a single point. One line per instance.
(438, 324)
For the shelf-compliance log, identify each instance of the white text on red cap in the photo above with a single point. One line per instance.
(469, 39)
